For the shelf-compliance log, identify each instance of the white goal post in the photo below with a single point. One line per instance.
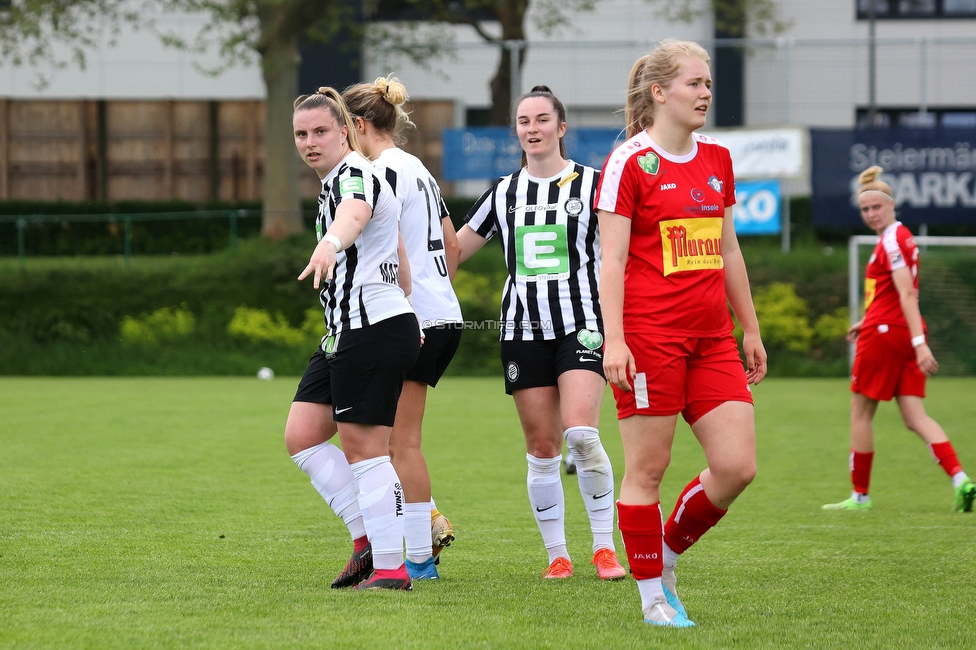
(925, 244)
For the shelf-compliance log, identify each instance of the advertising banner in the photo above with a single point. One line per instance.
(757, 208)
(765, 153)
(931, 173)
(487, 152)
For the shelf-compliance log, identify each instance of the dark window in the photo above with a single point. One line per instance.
(914, 9)
(420, 10)
(912, 117)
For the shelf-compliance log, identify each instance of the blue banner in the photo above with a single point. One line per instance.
(487, 152)
(757, 208)
(931, 173)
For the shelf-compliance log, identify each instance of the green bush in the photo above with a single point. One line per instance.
(258, 326)
(783, 318)
(164, 324)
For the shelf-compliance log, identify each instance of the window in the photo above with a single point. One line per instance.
(915, 9)
(912, 117)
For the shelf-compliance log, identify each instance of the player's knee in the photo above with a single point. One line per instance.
(586, 446)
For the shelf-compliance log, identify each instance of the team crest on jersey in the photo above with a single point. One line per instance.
(512, 371)
(574, 206)
(715, 183)
(650, 163)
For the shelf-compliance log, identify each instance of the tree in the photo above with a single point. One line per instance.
(272, 30)
(548, 16)
(731, 19)
(241, 30)
(736, 18)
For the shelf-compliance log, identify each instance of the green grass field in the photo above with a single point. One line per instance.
(165, 513)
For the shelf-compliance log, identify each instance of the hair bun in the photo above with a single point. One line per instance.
(391, 90)
(541, 89)
(870, 175)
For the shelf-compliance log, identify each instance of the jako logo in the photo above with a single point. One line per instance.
(644, 556)
(668, 186)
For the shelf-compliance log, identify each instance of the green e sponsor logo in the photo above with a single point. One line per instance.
(542, 252)
(351, 185)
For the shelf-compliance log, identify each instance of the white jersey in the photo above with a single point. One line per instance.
(422, 230)
(551, 244)
(365, 286)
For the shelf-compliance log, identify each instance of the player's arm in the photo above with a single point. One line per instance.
(452, 247)
(404, 270)
(470, 242)
(352, 215)
(905, 285)
(740, 299)
(618, 361)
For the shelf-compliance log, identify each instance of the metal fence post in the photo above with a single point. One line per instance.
(128, 241)
(515, 76)
(233, 226)
(21, 228)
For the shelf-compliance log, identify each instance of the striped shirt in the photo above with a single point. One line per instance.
(422, 230)
(365, 286)
(551, 244)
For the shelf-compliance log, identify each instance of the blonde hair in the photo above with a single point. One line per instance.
(381, 104)
(330, 99)
(661, 66)
(870, 180)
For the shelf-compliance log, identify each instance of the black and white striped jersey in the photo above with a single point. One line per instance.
(422, 230)
(365, 286)
(551, 243)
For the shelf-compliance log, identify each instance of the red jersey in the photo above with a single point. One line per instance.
(896, 249)
(674, 281)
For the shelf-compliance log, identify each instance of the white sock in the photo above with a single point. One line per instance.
(650, 589)
(548, 504)
(670, 557)
(595, 476)
(858, 497)
(958, 479)
(416, 530)
(333, 479)
(381, 502)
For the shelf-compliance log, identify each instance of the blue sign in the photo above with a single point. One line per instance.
(757, 208)
(487, 152)
(932, 173)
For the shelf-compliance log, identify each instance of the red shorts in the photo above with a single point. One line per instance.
(683, 375)
(885, 366)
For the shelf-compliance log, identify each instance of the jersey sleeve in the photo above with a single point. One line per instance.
(616, 190)
(894, 247)
(355, 183)
(482, 216)
(730, 181)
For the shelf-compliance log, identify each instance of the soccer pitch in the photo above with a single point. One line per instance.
(165, 513)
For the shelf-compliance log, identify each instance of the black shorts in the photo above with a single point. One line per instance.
(440, 344)
(363, 377)
(530, 364)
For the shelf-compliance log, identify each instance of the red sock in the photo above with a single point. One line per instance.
(693, 515)
(640, 527)
(359, 544)
(861, 470)
(946, 456)
(400, 572)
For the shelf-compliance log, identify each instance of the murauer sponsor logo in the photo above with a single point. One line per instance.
(691, 245)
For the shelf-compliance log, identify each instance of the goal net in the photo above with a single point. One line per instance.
(947, 296)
